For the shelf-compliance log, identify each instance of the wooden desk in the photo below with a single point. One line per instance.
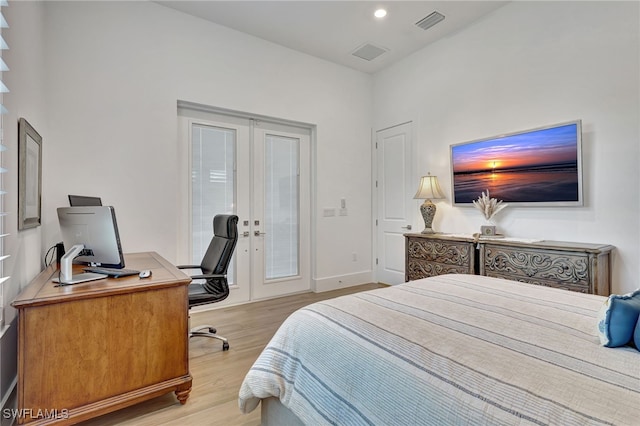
(91, 348)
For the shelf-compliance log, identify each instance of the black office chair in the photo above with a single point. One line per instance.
(212, 285)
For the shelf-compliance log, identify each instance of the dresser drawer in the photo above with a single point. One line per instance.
(552, 268)
(445, 252)
(417, 269)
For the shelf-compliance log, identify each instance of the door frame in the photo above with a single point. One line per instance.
(374, 188)
(184, 109)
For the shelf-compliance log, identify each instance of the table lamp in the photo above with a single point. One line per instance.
(428, 190)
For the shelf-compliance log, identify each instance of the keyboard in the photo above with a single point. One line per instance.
(112, 272)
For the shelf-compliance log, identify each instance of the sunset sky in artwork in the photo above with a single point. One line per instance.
(547, 146)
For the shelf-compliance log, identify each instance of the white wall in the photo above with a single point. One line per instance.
(527, 65)
(114, 73)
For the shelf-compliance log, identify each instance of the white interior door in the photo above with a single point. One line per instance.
(394, 200)
(261, 172)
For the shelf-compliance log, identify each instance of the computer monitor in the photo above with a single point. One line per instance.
(90, 235)
(83, 200)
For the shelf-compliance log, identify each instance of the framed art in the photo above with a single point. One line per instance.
(537, 167)
(29, 176)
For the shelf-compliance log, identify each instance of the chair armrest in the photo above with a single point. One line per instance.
(188, 266)
(207, 276)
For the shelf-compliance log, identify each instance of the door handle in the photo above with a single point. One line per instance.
(245, 234)
(408, 227)
(258, 233)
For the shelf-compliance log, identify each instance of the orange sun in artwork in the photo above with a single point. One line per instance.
(493, 164)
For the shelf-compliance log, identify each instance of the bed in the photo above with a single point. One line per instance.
(446, 350)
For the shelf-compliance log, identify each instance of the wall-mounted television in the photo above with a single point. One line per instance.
(538, 167)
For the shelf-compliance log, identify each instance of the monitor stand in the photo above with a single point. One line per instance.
(66, 268)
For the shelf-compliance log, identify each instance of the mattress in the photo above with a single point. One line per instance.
(452, 349)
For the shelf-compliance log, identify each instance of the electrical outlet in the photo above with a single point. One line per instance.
(328, 212)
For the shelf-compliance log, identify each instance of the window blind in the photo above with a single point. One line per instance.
(3, 89)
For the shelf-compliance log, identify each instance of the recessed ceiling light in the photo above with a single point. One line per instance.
(380, 13)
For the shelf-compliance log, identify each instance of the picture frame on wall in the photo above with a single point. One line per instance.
(29, 176)
(537, 167)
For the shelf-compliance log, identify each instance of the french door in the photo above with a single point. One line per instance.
(260, 171)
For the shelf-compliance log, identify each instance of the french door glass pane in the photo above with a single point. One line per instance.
(212, 183)
(281, 206)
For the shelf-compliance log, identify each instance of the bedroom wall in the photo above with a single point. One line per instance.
(527, 65)
(114, 73)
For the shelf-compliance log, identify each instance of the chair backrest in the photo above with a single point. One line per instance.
(225, 235)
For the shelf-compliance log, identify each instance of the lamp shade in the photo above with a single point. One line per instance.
(429, 189)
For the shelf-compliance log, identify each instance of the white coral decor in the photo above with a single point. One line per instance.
(488, 206)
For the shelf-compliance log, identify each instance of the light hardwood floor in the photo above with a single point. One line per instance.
(217, 375)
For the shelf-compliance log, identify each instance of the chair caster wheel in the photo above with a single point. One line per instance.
(212, 330)
(225, 346)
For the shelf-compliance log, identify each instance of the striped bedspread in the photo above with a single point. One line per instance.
(448, 350)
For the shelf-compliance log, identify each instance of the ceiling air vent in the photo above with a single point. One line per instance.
(430, 20)
(368, 52)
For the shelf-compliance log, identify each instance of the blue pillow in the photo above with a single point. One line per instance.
(617, 319)
(636, 335)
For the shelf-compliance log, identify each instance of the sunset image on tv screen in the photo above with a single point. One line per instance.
(534, 166)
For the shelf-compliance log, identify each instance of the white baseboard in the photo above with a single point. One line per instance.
(317, 286)
(342, 281)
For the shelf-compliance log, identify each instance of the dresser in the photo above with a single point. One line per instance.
(581, 267)
(428, 255)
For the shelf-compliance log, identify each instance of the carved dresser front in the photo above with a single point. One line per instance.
(581, 267)
(573, 266)
(428, 255)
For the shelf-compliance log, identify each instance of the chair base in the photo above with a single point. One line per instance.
(209, 331)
